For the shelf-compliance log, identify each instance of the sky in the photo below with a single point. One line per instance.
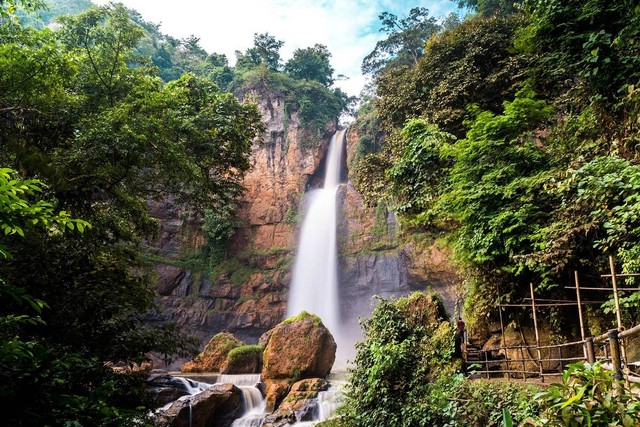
(349, 28)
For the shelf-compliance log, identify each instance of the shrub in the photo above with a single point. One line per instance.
(589, 395)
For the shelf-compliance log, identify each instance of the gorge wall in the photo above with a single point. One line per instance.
(246, 293)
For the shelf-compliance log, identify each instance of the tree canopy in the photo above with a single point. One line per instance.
(405, 40)
(311, 63)
(81, 112)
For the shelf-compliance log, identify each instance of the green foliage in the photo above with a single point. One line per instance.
(292, 217)
(406, 352)
(219, 225)
(369, 177)
(496, 189)
(303, 315)
(78, 111)
(404, 43)
(419, 174)
(473, 63)
(265, 52)
(485, 403)
(589, 395)
(245, 352)
(16, 211)
(311, 63)
(595, 41)
(492, 7)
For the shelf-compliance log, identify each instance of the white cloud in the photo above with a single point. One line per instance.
(347, 27)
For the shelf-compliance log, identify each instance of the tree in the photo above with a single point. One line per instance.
(107, 135)
(473, 63)
(311, 63)
(265, 51)
(491, 7)
(404, 44)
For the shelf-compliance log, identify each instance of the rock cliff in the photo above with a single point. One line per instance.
(246, 294)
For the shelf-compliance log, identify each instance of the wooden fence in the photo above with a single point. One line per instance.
(607, 348)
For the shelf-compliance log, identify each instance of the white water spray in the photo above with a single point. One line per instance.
(314, 285)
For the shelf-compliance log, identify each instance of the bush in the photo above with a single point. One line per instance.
(589, 395)
(482, 403)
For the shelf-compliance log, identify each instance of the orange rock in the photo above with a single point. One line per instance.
(214, 356)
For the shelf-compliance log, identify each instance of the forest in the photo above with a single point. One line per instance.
(508, 135)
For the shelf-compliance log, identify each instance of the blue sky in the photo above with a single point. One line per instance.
(349, 28)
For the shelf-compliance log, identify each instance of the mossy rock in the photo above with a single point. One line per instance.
(245, 359)
(214, 356)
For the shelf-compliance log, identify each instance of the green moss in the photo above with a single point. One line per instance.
(292, 217)
(222, 341)
(303, 316)
(245, 352)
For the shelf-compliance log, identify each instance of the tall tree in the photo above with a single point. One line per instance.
(106, 137)
(265, 51)
(405, 40)
(491, 7)
(311, 63)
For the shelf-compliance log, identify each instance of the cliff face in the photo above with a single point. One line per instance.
(246, 294)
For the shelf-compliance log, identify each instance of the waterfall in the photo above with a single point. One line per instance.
(314, 284)
(247, 380)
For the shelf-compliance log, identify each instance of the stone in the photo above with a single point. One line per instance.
(214, 356)
(300, 347)
(162, 388)
(299, 405)
(275, 392)
(246, 359)
(215, 407)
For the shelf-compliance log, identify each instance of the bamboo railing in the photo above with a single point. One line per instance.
(608, 347)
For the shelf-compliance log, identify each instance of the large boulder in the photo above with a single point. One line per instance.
(162, 388)
(300, 404)
(214, 356)
(215, 407)
(246, 359)
(299, 347)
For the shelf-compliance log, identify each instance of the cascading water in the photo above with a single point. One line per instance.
(314, 284)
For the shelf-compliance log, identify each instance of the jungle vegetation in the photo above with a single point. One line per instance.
(101, 113)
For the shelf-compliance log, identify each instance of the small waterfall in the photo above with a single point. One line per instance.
(254, 403)
(326, 404)
(314, 284)
(191, 386)
(330, 400)
(246, 380)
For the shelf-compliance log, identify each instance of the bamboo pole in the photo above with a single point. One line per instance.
(614, 282)
(582, 332)
(504, 342)
(591, 355)
(535, 326)
(621, 346)
(616, 361)
(486, 363)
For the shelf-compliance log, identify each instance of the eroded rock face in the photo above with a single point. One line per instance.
(250, 297)
(374, 262)
(214, 356)
(215, 407)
